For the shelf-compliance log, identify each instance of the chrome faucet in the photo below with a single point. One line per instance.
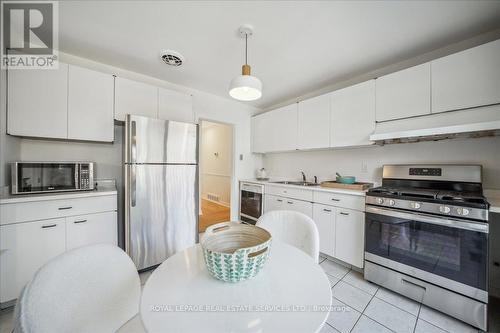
(315, 179)
(303, 176)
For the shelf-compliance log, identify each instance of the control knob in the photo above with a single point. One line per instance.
(380, 201)
(391, 202)
(415, 205)
(444, 209)
(462, 211)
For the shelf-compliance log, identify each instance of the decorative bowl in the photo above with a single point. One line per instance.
(346, 179)
(234, 251)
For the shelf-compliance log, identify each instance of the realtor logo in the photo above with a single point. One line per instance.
(29, 38)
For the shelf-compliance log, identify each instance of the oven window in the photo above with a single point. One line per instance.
(251, 204)
(457, 254)
(35, 177)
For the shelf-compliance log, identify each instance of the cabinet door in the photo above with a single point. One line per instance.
(353, 115)
(324, 217)
(467, 79)
(300, 206)
(90, 105)
(38, 102)
(261, 133)
(137, 98)
(176, 106)
(314, 123)
(283, 128)
(24, 248)
(404, 94)
(91, 229)
(350, 236)
(273, 202)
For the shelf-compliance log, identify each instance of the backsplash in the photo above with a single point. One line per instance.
(366, 163)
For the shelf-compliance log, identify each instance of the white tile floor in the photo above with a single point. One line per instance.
(363, 307)
(359, 307)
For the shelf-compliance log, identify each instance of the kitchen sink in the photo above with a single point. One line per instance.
(286, 182)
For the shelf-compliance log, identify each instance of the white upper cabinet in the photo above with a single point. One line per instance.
(284, 128)
(404, 94)
(137, 98)
(352, 119)
(467, 79)
(275, 130)
(90, 105)
(38, 102)
(173, 105)
(313, 123)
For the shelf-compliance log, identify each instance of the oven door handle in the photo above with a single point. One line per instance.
(453, 223)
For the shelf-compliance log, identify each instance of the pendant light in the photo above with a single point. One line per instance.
(245, 87)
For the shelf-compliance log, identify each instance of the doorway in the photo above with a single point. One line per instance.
(216, 170)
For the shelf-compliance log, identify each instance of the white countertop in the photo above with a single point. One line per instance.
(493, 197)
(100, 191)
(312, 188)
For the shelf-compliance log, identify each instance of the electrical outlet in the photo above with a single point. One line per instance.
(364, 167)
(241, 157)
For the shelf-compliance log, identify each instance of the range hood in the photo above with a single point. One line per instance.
(489, 128)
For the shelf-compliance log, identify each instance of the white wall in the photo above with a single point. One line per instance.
(216, 160)
(366, 163)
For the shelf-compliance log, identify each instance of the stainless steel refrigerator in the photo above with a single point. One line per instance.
(161, 188)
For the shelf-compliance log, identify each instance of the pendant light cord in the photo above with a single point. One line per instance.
(246, 49)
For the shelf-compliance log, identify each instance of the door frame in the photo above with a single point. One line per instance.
(233, 159)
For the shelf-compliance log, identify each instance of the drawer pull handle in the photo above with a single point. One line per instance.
(413, 284)
(65, 208)
(344, 213)
(80, 221)
(333, 199)
(327, 210)
(290, 202)
(48, 226)
(279, 200)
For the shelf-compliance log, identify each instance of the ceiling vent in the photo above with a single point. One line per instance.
(172, 58)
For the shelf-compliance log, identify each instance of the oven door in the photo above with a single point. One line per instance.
(450, 248)
(251, 203)
(44, 177)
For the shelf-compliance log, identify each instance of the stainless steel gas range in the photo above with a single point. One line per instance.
(426, 237)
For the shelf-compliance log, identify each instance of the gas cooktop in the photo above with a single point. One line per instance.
(450, 190)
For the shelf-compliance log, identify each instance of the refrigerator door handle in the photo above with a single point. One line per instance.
(132, 184)
(133, 148)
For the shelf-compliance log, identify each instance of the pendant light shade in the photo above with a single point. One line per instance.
(245, 87)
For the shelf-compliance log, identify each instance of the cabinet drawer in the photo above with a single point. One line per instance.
(303, 207)
(340, 200)
(47, 209)
(290, 192)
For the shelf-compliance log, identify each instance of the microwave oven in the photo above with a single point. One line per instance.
(46, 177)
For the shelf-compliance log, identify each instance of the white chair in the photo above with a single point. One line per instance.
(293, 228)
(94, 288)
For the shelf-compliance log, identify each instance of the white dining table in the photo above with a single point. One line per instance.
(290, 294)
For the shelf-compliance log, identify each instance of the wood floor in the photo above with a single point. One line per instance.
(212, 213)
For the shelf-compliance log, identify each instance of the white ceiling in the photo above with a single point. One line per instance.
(297, 47)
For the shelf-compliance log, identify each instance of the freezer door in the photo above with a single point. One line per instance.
(162, 206)
(149, 140)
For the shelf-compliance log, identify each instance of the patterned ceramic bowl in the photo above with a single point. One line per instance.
(234, 252)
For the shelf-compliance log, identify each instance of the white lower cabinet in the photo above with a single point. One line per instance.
(350, 236)
(324, 217)
(27, 243)
(24, 248)
(273, 202)
(91, 229)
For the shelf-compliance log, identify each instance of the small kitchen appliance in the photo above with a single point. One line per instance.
(46, 177)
